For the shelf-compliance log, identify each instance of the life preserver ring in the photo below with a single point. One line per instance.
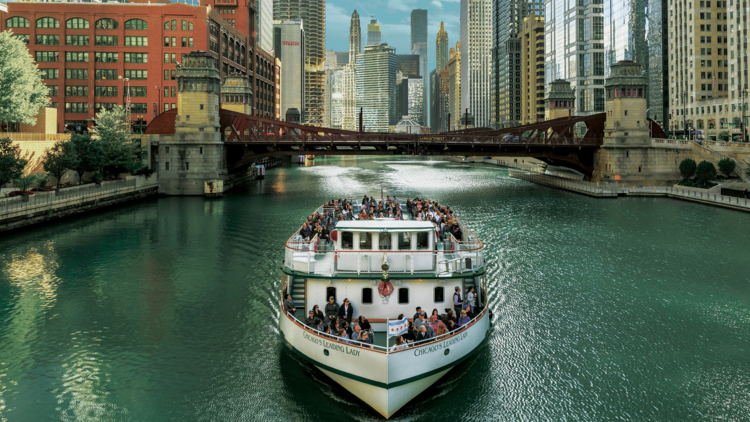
(385, 288)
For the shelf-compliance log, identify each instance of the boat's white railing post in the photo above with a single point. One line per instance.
(387, 338)
(411, 256)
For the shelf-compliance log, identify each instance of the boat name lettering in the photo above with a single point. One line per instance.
(331, 345)
(440, 346)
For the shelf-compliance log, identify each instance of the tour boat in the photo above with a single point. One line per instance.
(381, 282)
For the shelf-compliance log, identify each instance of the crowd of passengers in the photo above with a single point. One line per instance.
(419, 209)
(335, 321)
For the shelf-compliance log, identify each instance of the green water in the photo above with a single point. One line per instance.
(627, 309)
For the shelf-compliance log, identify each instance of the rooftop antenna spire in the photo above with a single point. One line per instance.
(363, 8)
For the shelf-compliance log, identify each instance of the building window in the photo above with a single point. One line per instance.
(48, 40)
(76, 91)
(76, 107)
(47, 56)
(166, 108)
(105, 91)
(107, 74)
(53, 90)
(439, 295)
(174, 57)
(76, 57)
(136, 41)
(24, 38)
(136, 57)
(173, 75)
(17, 22)
(138, 91)
(184, 41)
(173, 91)
(190, 26)
(166, 57)
(184, 25)
(106, 24)
(47, 23)
(174, 41)
(174, 106)
(106, 57)
(403, 295)
(166, 75)
(136, 74)
(139, 107)
(136, 24)
(107, 40)
(99, 107)
(76, 40)
(367, 295)
(187, 165)
(166, 42)
(77, 23)
(166, 165)
(49, 73)
(174, 24)
(190, 41)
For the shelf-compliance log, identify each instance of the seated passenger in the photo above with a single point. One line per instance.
(423, 335)
(463, 319)
(433, 323)
(400, 344)
(318, 314)
(364, 323)
(452, 326)
(469, 313)
(364, 338)
(310, 320)
(411, 334)
(305, 232)
(442, 329)
(332, 308)
(319, 324)
(346, 311)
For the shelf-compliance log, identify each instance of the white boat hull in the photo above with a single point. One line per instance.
(385, 381)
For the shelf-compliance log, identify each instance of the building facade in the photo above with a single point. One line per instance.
(94, 56)
(334, 104)
(419, 47)
(454, 85)
(658, 62)
(532, 69)
(476, 44)
(264, 25)
(441, 48)
(289, 47)
(408, 64)
(574, 50)
(376, 87)
(373, 32)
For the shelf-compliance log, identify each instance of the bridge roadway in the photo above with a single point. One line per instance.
(248, 138)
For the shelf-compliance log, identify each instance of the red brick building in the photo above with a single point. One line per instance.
(92, 55)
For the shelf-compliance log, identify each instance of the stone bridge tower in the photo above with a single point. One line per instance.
(559, 100)
(236, 94)
(196, 152)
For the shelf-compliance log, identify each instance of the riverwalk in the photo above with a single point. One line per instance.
(609, 190)
(19, 211)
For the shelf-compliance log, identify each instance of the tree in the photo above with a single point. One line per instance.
(705, 172)
(726, 166)
(22, 92)
(11, 163)
(41, 180)
(724, 136)
(113, 130)
(88, 152)
(687, 168)
(24, 182)
(59, 159)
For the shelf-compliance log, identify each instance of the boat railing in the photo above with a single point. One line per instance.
(383, 349)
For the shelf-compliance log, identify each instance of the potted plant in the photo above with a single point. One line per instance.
(24, 182)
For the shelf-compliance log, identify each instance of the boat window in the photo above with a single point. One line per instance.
(403, 295)
(365, 241)
(422, 240)
(404, 241)
(330, 291)
(439, 294)
(367, 295)
(347, 240)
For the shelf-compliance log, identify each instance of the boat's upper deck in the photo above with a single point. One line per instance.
(425, 239)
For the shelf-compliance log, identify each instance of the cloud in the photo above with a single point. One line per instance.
(401, 5)
(437, 4)
(338, 21)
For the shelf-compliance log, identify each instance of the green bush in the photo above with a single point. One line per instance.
(687, 168)
(726, 166)
(41, 180)
(705, 172)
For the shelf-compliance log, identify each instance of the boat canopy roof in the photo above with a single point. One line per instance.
(386, 225)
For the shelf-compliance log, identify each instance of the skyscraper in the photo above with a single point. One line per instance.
(532, 69)
(419, 46)
(312, 13)
(574, 50)
(373, 32)
(264, 25)
(454, 86)
(355, 37)
(376, 87)
(334, 99)
(441, 50)
(408, 64)
(289, 47)
(658, 66)
(476, 43)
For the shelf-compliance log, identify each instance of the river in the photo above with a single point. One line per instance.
(628, 309)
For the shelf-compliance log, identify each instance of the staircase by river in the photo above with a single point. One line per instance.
(714, 157)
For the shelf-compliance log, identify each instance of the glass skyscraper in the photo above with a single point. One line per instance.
(376, 87)
(419, 47)
(476, 45)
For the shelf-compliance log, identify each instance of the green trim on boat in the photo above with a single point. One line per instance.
(376, 275)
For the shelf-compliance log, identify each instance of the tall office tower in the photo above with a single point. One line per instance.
(264, 25)
(658, 62)
(574, 50)
(376, 87)
(313, 14)
(454, 86)
(334, 99)
(698, 75)
(443, 87)
(476, 43)
(419, 46)
(330, 60)
(532, 69)
(355, 37)
(408, 64)
(289, 47)
(373, 32)
(409, 97)
(441, 50)
(434, 101)
(625, 33)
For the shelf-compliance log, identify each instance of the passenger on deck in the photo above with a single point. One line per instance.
(468, 311)
(289, 305)
(400, 344)
(364, 323)
(433, 323)
(420, 321)
(346, 310)
(411, 333)
(305, 232)
(343, 337)
(442, 329)
(423, 335)
(310, 320)
(463, 319)
(452, 326)
(332, 308)
(457, 300)
(319, 324)
(416, 316)
(471, 298)
(318, 314)
(450, 316)
(364, 337)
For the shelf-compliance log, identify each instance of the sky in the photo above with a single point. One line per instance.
(394, 18)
